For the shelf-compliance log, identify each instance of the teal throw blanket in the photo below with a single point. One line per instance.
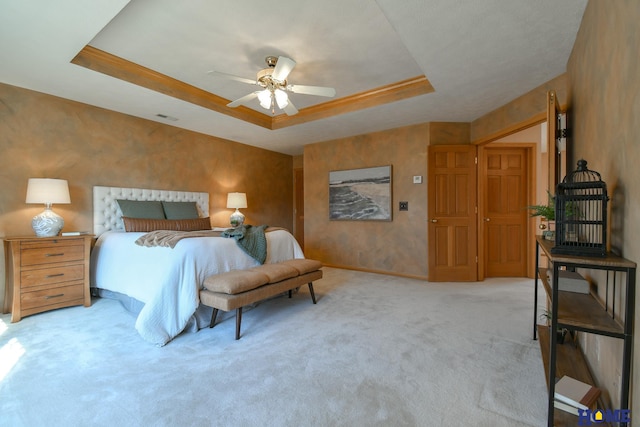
(250, 239)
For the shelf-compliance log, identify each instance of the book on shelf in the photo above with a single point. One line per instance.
(74, 233)
(570, 281)
(565, 407)
(576, 393)
(569, 408)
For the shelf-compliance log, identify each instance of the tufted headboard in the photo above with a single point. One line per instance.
(108, 216)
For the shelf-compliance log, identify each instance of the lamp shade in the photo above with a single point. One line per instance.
(236, 200)
(47, 190)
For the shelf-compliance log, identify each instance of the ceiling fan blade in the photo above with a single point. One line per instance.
(313, 90)
(283, 68)
(290, 109)
(232, 77)
(244, 99)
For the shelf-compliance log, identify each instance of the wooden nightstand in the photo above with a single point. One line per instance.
(44, 273)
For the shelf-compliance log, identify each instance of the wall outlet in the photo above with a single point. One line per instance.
(404, 206)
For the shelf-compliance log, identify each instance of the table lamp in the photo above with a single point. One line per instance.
(47, 191)
(235, 201)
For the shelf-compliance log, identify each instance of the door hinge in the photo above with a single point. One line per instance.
(476, 210)
(476, 160)
(476, 259)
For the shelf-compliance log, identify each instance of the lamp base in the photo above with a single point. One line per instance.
(47, 224)
(237, 219)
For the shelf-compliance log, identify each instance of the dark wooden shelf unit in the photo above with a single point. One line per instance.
(585, 313)
(582, 312)
(570, 361)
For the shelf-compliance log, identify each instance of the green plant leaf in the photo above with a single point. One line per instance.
(547, 211)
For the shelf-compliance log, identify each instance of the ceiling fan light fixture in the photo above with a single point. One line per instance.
(281, 98)
(273, 81)
(265, 99)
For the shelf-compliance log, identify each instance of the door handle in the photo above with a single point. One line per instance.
(434, 220)
(487, 219)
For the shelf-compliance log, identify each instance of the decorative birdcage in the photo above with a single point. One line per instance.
(581, 214)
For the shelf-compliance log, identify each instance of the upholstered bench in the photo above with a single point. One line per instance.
(238, 288)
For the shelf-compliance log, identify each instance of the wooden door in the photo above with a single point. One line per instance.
(452, 213)
(298, 209)
(504, 197)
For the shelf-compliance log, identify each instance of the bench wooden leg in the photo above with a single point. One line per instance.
(313, 295)
(238, 321)
(213, 317)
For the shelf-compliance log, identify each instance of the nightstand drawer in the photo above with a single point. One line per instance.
(51, 254)
(45, 276)
(52, 296)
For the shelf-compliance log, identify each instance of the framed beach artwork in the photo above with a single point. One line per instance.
(360, 194)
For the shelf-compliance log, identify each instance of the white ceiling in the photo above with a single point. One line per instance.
(478, 55)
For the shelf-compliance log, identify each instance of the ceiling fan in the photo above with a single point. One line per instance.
(275, 86)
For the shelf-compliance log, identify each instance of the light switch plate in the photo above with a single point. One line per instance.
(417, 179)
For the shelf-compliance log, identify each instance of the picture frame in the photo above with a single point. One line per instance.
(361, 194)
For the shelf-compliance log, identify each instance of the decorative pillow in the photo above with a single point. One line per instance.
(141, 209)
(150, 224)
(180, 210)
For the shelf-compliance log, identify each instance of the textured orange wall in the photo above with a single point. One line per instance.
(298, 162)
(509, 118)
(45, 136)
(397, 247)
(443, 133)
(604, 103)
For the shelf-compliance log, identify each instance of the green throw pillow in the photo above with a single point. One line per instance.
(141, 209)
(180, 210)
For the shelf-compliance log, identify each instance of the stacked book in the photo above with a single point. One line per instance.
(571, 395)
(570, 281)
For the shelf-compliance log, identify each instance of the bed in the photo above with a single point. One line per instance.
(161, 284)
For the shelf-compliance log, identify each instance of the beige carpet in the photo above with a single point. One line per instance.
(375, 351)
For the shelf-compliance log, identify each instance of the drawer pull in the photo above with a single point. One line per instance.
(54, 275)
(54, 296)
(60, 254)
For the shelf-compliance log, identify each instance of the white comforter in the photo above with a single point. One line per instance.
(168, 280)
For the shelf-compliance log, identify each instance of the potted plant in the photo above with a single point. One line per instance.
(548, 213)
